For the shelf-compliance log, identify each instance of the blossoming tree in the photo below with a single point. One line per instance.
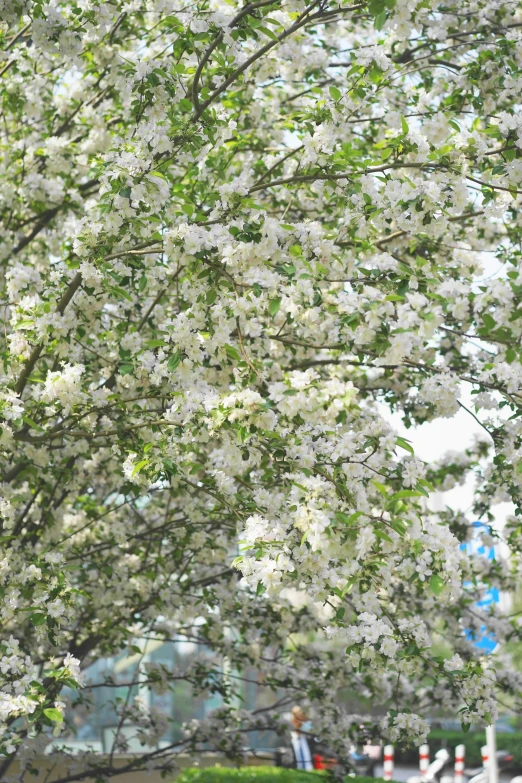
(232, 236)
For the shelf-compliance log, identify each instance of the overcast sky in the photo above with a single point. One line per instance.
(433, 439)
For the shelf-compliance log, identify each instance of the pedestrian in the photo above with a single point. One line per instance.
(303, 744)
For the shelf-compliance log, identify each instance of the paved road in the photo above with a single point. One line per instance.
(399, 773)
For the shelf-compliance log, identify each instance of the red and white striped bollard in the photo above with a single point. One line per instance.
(460, 755)
(424, 760)
(387, 771)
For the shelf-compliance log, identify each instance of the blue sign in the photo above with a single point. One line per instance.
(485, 642)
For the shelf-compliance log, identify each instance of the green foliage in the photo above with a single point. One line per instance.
(258, 774)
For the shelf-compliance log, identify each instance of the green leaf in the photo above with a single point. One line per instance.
(169, 467)
(422, 490)
(268, 32)
(382, 489)
(403, 443)
(173, 361)
(399, 526)
(382, 534)
(77, 591)
(155, 343)
(404, 125)
(346, 519)
(335, 93)
(380, 20)
(274, 305)
(489, 321)
(38, 618)
(31, 422)
(385, 154)
(406, 493)
(436, 584)
(122, 292)
(139, 466)
(211, 296)
(349, 585)
(53, 714)
(233, 352)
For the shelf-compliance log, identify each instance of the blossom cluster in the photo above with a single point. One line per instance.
(235, 237)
